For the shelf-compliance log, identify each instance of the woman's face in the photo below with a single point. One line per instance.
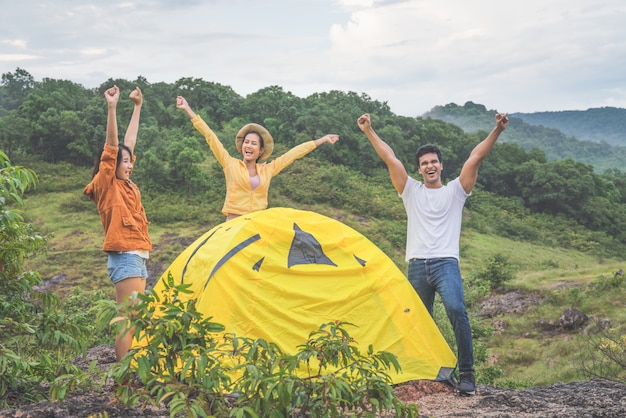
(251, 148)
(124, 167)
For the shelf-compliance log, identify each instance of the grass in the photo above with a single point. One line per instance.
(565, 278)
(535, 263)
(72, 225)
(543, 356)
(540, 361)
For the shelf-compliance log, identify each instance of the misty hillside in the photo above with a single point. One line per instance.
(538, 130)
(606, 124)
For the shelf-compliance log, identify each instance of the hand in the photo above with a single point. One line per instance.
(331, 138)
(112, 95)
(502, 121)
(136, 96)
(181, 103)
(364, 122)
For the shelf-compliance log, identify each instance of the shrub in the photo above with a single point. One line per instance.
(606, 283)
(497, 271)
(489, 374)
(194, 367)
(476, 289)
(38, 337)
(81, 305)
(603, 355)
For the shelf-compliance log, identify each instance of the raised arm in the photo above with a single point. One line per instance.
(181, 103)
(469, 172)
(330, 138)
(130, 138)
(112, 95)
(397, 172)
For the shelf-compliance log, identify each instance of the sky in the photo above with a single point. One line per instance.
(510, 56)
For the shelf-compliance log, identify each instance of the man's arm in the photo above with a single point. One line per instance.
(397, 172)
(469, 172)
(130, 138)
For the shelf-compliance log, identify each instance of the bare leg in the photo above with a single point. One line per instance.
(123, 290)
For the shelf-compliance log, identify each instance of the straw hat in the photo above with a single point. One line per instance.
(268, 141)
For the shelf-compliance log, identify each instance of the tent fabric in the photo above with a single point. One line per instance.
(280, 273)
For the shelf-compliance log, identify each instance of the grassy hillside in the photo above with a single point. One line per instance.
(518, 353)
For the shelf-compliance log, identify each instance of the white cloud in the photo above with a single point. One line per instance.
(19, 43)
(93, 51)
(414, 54)
(15, 57)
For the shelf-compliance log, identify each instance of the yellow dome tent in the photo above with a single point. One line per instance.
(280, 273)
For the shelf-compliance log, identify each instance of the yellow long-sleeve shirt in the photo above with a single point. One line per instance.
(240, 198)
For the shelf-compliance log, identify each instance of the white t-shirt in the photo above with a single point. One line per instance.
(433, 219)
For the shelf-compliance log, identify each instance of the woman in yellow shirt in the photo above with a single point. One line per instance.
(247, 179)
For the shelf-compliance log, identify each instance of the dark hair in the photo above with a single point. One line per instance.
(120, 149)
(427, 149)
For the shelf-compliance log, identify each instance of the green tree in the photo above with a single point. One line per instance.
(618, 181)
(184, 156)
(55, 109)
(497, 174)
(561, 187)
(337, 112)
(151, 173)
(219, 103)
(14, 133)
(14, 88)
(272, 104)
(158, 108)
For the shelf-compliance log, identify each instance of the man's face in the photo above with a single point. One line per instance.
(430, 168)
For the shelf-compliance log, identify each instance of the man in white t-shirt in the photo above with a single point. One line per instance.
(434, 214)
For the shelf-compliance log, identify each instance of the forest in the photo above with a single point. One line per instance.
(58, 121)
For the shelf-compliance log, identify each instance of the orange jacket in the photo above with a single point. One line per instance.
(119, 204)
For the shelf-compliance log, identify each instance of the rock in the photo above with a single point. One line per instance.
(511, 302)
(572, 319)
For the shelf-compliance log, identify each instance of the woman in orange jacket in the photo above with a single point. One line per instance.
(247, 179)
(126, 238)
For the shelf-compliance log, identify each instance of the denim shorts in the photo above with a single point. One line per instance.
(124, 265)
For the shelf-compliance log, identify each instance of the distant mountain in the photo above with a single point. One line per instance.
(603, 123)
(606, 124)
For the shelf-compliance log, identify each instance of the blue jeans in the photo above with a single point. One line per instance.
(443, 276)
(122, 265)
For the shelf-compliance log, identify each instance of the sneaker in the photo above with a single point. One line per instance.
(467, 384)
